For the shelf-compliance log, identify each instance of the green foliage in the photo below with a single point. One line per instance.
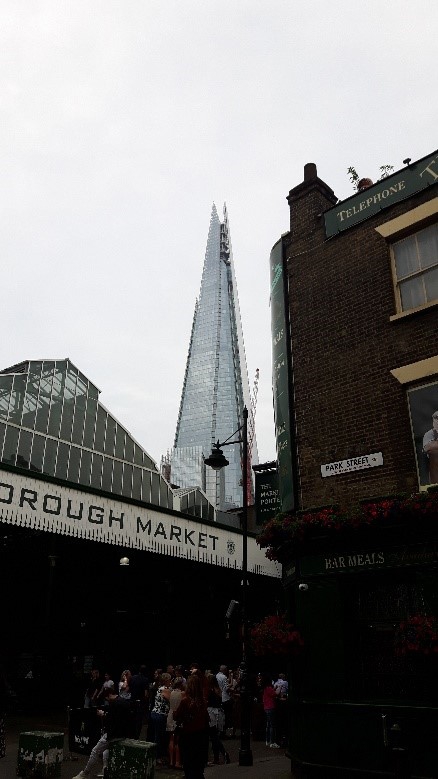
(353, 174)
(385, 171)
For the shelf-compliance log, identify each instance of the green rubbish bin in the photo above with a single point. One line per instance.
(131, 759)
(40, 754)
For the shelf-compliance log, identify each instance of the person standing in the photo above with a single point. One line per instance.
(124, 688)
(225, 682)
(192, 717)
(270, 695)
(93, 689)
(430, 448)
(158, 720)
(176, 696)
(139, 689)
(216, 717)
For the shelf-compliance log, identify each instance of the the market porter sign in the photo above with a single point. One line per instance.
(41, 505)
(401, 185)
(352, 464)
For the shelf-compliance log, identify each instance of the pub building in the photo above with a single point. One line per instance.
(354, 304)
(103, 563)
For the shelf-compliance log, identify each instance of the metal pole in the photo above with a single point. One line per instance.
(245, 753)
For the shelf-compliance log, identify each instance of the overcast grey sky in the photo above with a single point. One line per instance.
(121, 123)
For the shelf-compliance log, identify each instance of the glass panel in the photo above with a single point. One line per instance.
(17, 398)
(406, 257)
(163, 493)
(69, 404)
(107, 474)
(155, 491)
(56, 400)
(129, 450)
(31, 397)
(46, 383)
(99, 437)
(412, 293)
(73, 465)
(85, 474)
(147, 462)
(90, 417)
(431, 284)
(5, 396)
(127, 481)
(62, 461)
(138, 455)
(96, 472)
(37, 457)
(136, 484)
(146, 487)
(24, 448)
(2, 437)
(50, 457)
(11, 443)
(428, 246)
(117, 478)
(120, 443)
(80, 408)
(110, 435)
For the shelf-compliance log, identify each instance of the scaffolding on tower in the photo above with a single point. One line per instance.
(251, 435)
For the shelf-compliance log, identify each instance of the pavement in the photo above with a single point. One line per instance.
(267, 762)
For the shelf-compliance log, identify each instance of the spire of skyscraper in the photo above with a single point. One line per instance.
(215, 386)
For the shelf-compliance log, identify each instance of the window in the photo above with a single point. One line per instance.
(416, 268)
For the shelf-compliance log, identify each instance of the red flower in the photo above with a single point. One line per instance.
(418, 635)
(274, 635)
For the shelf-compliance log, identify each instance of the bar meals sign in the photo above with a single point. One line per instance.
(399, 186)
(57, 508)
(352, 464)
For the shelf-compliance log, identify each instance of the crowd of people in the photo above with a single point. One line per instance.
(185, 713)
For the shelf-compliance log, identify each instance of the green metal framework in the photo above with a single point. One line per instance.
(51, 421)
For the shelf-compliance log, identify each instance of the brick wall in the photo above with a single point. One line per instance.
(343, 345)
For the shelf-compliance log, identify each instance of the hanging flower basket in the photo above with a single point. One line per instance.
(275, 636)
(283, 535)
(418, 635)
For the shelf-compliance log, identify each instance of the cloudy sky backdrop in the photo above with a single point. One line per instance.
(122, 121)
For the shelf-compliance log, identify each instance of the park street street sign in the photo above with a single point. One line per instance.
(352, 464)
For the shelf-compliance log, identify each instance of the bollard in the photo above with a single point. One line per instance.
(40, 754)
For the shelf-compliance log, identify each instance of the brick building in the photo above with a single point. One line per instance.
(363, 331)
(354, 302)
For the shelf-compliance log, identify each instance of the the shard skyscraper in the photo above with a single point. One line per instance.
(215, 387)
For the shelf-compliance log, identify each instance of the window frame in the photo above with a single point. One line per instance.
(416, 274)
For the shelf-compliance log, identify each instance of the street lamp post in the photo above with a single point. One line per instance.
(217, 461)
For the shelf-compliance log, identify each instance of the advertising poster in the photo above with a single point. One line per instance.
(423, 407)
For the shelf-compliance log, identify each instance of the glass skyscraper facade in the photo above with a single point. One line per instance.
(51, 421)
(215, 387)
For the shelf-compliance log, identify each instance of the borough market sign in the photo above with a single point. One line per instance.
(41, 505)
(385, 193)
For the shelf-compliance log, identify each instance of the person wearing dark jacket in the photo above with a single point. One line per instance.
(192, 717)
(118, 724)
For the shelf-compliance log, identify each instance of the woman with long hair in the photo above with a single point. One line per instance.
(176, 696)
(192, 718)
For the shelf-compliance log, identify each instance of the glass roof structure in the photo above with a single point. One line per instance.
(51, 421)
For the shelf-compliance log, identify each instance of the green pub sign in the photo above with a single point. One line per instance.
(401, 185)
(267, 496)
